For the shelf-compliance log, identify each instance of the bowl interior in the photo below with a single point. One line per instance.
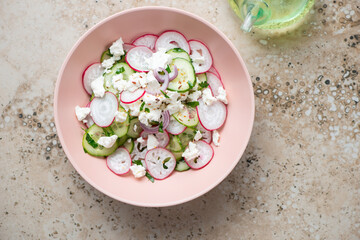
(180, 187)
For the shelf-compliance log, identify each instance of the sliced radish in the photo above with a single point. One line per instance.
(92, 72)
(170, 40)
(139, 151)
(160, 163)
(119, 162)
(212, 116)
(214, 71)
(175, 127)
(147, 40)
(206, 135)
(127, 46)
(136, 58)
(130, 97)
(163, 138)
(214, 83)
(102, 110)
(200, 49)
(206, 153)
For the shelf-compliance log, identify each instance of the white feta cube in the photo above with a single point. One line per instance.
(222, 95)
(107, 142)
(81, 113)
(191, 152)
(138, 170)
(207, 96)
(98, 87)
(216, 138)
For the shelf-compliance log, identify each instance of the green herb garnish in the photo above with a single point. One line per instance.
(137, 162)
(161, 127)
(147, 110)
(165, 161)
(193, 104)
(142, 106)
(168, 69)
(164, 94)
(203, 84)
(120, 70)
(149, 177)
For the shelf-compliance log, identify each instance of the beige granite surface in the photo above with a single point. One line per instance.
(299, 177)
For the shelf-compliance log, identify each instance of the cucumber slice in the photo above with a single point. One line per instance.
(187, 116)
(129, 145)
(174, 143)
(187, 136)
(179, 53)
(178, 155)
(91, 146)
(105, 55)
(185, 79)
(117, 128)
(135, 129)
(201, 78)
(118, 68)
(181, 166)
(122, 140)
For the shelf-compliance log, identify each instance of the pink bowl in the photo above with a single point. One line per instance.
(179, 187)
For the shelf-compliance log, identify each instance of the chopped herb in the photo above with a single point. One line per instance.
(149, 177)
(164, 94)
(137, 162)
(120, 70)
(161, 127)
(147, 110)
(190, 84)
(168, 69)
(165, 161)
(142, 106)
(193, 104)
(203, 84)
(91, 141)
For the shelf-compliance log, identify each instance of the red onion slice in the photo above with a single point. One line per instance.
(158, 76)
(163, 87)
(154, 129)
(173, 73)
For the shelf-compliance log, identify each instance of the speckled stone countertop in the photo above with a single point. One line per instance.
(299, 177)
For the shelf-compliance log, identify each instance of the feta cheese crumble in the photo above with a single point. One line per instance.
(192, 97)
(98, 87)
(208, 97)
(140, 140)
(81, 113)
(108, 63)
(120, 116)
(107, 142)
(138, 170)
(216, 138)
(222, 95)
(152, 142)
(159, 59)
(116, 48)
(197, 136)
(191, 152)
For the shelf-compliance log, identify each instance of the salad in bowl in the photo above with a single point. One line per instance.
(155, 106)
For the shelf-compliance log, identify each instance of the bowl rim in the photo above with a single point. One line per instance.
(62, 140)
